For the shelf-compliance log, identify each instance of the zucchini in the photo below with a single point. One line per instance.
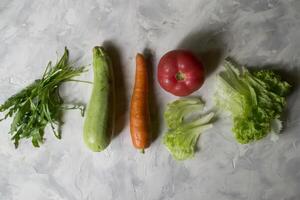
(99, 117)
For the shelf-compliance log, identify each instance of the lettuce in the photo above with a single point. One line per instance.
(176, 110)
(182, 136)
(254, 99)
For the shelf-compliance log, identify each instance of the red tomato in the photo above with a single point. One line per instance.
(180, 72)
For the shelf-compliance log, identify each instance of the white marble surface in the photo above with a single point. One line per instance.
(256, 32)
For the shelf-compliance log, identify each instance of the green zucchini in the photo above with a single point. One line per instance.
(99, 117)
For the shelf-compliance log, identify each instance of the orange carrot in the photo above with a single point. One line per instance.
(139, 109)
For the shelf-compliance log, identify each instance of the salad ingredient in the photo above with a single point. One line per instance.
(40, 104)
(180, 72)
(139, 109)
(98, 124)
(183, 135)
(254, 99)
(177, 110)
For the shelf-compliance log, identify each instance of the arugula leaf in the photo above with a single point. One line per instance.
(40, 103)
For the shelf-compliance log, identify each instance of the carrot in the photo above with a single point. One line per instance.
(139, 109)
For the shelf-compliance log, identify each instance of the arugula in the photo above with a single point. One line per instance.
(40, 103)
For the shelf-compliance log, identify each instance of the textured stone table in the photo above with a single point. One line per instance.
(256, 33)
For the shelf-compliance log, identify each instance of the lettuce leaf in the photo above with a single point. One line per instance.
(253, 99)
(182, 136)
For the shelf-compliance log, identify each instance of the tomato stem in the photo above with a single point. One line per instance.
(180, 76)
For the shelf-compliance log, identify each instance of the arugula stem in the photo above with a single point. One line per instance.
(81, 81)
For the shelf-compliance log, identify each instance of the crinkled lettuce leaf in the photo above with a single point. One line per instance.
(182, 136)
(253, 99)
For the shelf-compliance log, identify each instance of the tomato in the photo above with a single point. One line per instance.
(180, 72)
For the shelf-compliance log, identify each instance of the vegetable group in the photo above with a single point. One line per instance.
(182, 136)
(255, 100)
(139, 108)
(180, 72)
(40, 104)
(98, 124)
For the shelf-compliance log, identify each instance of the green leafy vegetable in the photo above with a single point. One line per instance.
(40, 104)
(255, 100)
(182, 136)
(176, 110)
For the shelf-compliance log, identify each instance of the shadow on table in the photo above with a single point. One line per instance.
(209, 46)
(155, 126)
(120, 87)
